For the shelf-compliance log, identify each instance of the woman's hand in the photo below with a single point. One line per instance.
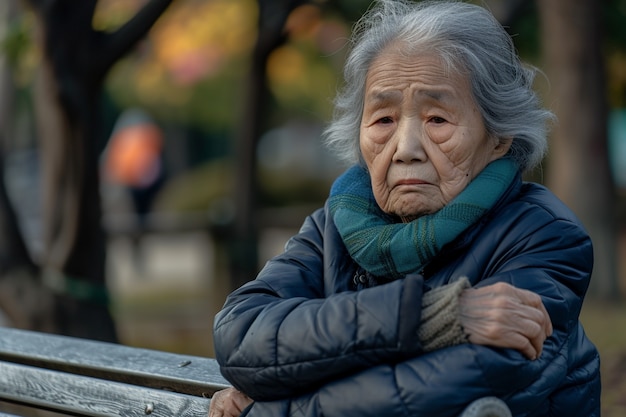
(501, 315)
(228, 402)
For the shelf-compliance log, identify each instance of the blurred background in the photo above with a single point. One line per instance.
(155, 153)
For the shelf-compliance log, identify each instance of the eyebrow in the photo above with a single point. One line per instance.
(378, 97)
(438, 94)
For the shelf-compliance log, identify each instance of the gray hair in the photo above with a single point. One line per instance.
(469, 40)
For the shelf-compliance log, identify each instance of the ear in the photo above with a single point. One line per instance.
(501, 148)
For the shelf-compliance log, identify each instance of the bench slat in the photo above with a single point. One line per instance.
(87, 396)
(144, 367)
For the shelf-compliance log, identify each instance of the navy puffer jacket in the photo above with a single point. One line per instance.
(308, 338)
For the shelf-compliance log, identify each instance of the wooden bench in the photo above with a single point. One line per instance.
(88, 378)
(79, 377)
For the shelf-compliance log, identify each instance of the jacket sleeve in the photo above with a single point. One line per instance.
(423, 386)
(552, 258)
(279, 335)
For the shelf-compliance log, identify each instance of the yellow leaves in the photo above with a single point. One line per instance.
(149, 78)
(110, 14)
(182, 65)
(616, 69)
(285, 65)
(225, 27)
(301, 72)
(297, 78)
(303, 21)
(196, 55)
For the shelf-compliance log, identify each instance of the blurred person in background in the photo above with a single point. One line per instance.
(133, 159)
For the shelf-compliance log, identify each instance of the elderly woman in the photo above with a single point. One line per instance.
(433, 276)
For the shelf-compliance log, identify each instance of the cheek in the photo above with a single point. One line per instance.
(462, 154)
(378, 175)
(374, 155)
(453, 186)
(381, 194)
(371, 150)
(377, 157)
(373, 142)
(449, 144)
(441, 134)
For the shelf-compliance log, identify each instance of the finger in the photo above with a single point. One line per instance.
(505, 317)
(216, 406)
(528, 297)
(229, 401)
(506, 339)
(535, 334)
(544, 320)
(534, 324)
(534, 300)
(524, 346)
(508, 324)
(241, 400)
(548, 327)
(215, 410)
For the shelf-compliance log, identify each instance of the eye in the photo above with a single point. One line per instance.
(438, 120)
(385, 120)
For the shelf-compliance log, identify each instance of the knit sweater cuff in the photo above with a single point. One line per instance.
(440, 325)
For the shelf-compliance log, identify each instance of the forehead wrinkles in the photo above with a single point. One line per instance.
(393, 72)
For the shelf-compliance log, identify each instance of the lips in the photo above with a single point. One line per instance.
(411, 181)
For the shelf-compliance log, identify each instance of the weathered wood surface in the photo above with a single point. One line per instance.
(90, 378)
(174, 372)
(87, 396)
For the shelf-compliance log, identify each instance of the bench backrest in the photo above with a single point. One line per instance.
(90, 378)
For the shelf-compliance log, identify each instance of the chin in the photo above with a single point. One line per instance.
(410, 215)
(412, 205)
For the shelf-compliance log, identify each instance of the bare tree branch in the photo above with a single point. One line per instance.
(117, 44)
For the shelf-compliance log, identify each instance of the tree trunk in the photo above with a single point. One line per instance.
(73, 262)
(76, 60)
(244, 235)
(23, 300)
(24, 303)
(578, 166)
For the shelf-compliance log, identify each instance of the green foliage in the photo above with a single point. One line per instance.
(350, 10)
(210, 104)
(603, 323)
(16, 41)
(525, 31)
(197, 189)
(614, 15)
(280, 188)
(18, 47)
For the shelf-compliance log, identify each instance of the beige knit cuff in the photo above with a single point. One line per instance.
(440, 325)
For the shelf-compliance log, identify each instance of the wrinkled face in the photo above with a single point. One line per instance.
(422, 135)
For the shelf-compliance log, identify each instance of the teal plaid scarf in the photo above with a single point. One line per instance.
(386, 248)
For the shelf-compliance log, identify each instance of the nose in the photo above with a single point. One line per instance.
(409, 145)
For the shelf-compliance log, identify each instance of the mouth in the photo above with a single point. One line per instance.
(412, 182)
